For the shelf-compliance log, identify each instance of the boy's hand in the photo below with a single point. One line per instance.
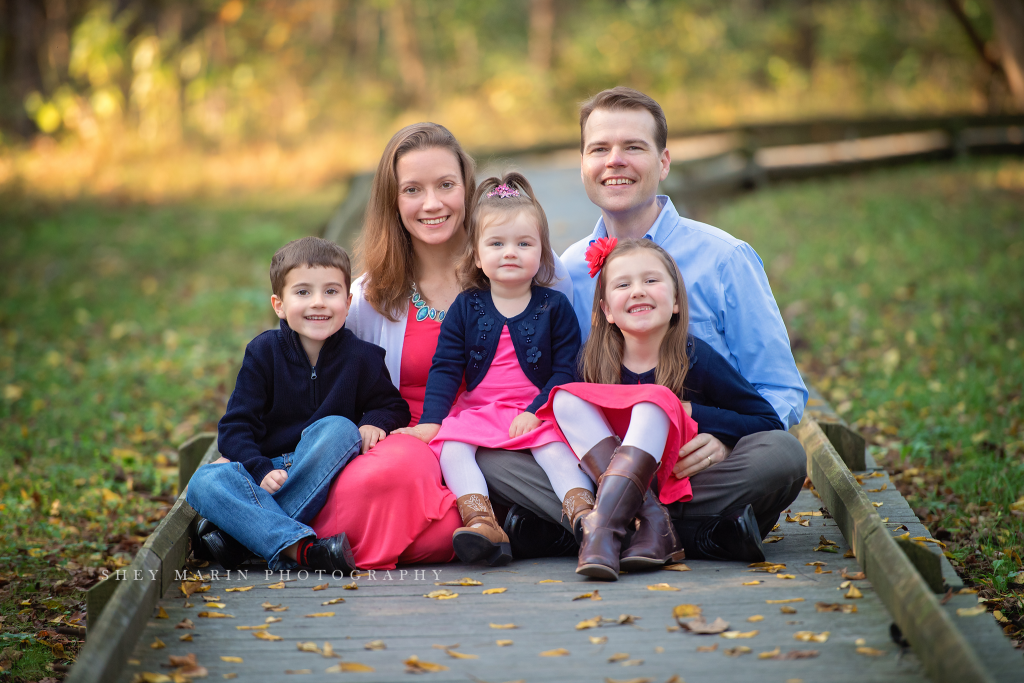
(523, 424)
(423, 432)
(371, 435)
(273, 481)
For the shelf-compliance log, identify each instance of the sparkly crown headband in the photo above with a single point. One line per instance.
(503, 192)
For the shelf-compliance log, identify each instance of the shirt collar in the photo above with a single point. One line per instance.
(600, 230)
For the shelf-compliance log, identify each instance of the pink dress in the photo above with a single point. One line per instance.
(390, 500)
(617, 401)
(482, 417)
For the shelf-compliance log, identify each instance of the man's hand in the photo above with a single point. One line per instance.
(371, 435)
(523, 424)
(424, 432)
(698, 454)
(273, 481)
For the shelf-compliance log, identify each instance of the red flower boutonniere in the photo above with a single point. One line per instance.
(597, 252)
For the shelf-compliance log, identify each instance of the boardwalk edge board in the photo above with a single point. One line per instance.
(941, 648)
(118, 610)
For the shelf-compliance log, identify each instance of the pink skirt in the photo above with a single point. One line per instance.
(617, 401)
(482, 417)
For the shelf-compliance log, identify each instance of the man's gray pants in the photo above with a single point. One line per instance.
(765, 470)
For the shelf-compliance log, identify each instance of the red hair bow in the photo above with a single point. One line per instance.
(598, 252)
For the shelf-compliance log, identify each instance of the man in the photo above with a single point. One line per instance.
(737, 493)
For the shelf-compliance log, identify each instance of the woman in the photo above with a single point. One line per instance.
(391, 501)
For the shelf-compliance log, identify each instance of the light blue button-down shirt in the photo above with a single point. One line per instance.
(731, 304)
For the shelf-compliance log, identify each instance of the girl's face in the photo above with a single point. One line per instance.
(639, 294)
(508, 250)
(431, 195)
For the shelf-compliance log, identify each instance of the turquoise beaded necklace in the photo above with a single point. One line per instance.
(424, 311)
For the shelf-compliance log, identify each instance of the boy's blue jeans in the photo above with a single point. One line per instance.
(265, 523)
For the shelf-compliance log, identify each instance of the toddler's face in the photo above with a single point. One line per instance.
(314, 301)
(509, 249)
(639, 295)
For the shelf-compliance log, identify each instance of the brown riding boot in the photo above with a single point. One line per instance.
(482, 539)
(654, 542)
(594, 462)
(577, 503)
(620, 494)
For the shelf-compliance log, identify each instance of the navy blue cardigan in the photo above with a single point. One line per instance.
(724, 404)
(278, 394)
(545, 335)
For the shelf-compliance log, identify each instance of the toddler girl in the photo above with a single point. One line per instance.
(639, 337)
(512, 339)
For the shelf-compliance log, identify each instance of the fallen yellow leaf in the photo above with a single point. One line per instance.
(707, 648)
(686, 611)
(618, 657)
(770, 654)
(187, 638)
(598, 640)
(732, 635)
(215, 615)
(261, 627)
(494, 591)
(737, 651)
(756, 617)
(662, 587)
(351, 586)
(271, 620)
(459, 655)
(786, 609)
(349, 667)
(870, 651)
(678, 567)
(277, 586)
(503, 626)
(216, 605)
(375, 645)
(333, 601)
(558, 652)
(441, 594)
(263, 635)
(233, 660)
(593, 595)
(780, 602)
(315, 615)
(853, 593)
(970, 611)
(161, 613)
(588, 623)
(157, 644)
(309, 647)
(930, 540)
(415, 665)
(461, 582)
(273, 608)
(321, 587)
(550, 581)
(786, 576)
(751, 583)
(503, 643)
(240, 589)
(811, 636)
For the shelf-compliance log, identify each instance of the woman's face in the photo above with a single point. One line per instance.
(431, 194)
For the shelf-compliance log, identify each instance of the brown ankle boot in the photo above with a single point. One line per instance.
(655, 542)
(620, 494)
(482, 539)
(577, 503)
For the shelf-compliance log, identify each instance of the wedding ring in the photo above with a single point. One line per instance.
(709, 461)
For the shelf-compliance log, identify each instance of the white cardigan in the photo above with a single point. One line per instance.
(369, 325)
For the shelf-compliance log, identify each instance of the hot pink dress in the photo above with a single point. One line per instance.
(390, 500)
(617, 401)
(482, 417)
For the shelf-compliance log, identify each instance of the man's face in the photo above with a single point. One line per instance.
(621, 165)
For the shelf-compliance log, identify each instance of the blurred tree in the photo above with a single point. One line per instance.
(542, 28)
(1009, 23)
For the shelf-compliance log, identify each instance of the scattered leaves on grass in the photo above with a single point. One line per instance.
(732, 635)
(557, 652)
(441, 594)
(847, 608)
(700, 626)
(276, 586)
(234, 660)
(811, 636)
(466, 581)
(737, 651)
(240, 589)
(870, 651)
(375, 645)
(493, 591)
(317, 615)
(415, 665)
(157, 644)
(216, 615)
(503, 643)
(707, 648)
(678, 567)
(263, 635)
(355, 667)
(503, 626)
(661, 587)
(321, 587)
(853, 593)
(334, 601)
(971, 611)
(185, 623)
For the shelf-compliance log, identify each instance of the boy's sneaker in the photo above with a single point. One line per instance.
(332, 554)
(214, 545)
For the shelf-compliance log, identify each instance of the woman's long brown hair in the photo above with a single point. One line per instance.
(484, 209)
(601, 362)
(384, 250)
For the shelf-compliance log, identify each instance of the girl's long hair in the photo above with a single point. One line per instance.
(601, 362)
(384, 250)
(485, 209)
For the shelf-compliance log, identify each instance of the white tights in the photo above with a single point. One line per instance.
(584, 424)
(463, 476)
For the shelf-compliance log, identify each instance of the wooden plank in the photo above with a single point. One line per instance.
(113, 635)
(942, 649)
(190, 454)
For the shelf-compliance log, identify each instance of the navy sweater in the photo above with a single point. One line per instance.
(545, 335)
(724, 404)
(278, 394)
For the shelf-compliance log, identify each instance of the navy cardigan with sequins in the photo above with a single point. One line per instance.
(545, 335)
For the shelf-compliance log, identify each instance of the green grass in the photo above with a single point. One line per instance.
(903, 292)
(121, 330)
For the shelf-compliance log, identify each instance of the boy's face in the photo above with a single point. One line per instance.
(314, 301)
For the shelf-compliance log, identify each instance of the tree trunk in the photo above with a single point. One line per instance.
(26, 26)
(542, 25)
(410, 63)
(1008, 18)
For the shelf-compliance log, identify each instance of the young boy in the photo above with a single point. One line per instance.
(291, 422)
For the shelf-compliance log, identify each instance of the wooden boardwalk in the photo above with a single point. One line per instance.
(538, 600)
